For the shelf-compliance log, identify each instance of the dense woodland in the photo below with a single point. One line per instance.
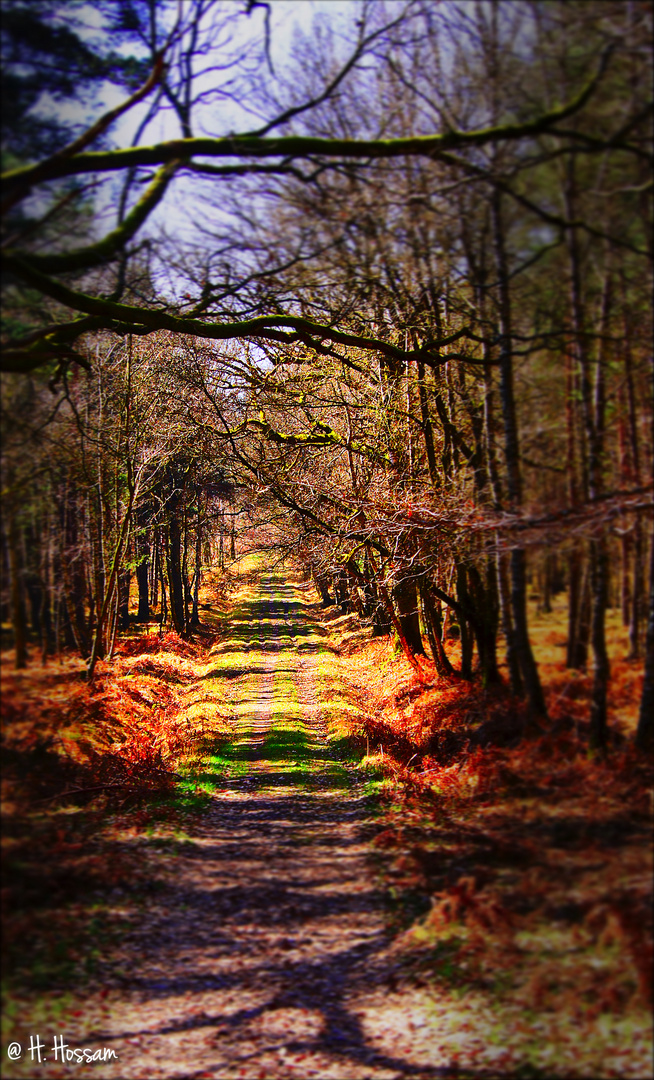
(399, 324)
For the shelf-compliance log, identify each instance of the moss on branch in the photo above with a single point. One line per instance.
(106, 249)
(284, 328)
(293, 146)
(320, 435)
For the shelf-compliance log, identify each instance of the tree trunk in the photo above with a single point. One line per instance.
(39, 597)
(341, 591)
(599, 580)
(113, 623)
(142, 566)
(76, 628)
(221, 553)
(355, 580)
(637, 592)
(17, 598)
(548, 577)
(124, 583)
(48, 642)
(76, 607)
(142, 575)
(625, 583)
(111, 584)
(633, 474)
(593, 402)
(35, 597)
(370, 599)
(645, 731)
(579, 612)
(427, 429)
(485, 620)
(434, 626)
(405, 598)
(175, 583)
(67, 626)
(466, 637)
(322, 585)
(504, 590)
(574, 603)
(528, 669)
(395, 620)
(155, 568)
(517, 562)
(501, 568)
(195, 614)
(163, 617)
(188, 597)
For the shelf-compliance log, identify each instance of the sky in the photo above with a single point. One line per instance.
(287, 17)
(182, 207)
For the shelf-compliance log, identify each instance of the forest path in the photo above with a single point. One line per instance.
(264, 952)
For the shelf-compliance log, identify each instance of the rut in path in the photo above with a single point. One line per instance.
(263, 951)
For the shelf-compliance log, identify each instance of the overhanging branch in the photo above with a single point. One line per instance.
(281, 328)
(292, 146)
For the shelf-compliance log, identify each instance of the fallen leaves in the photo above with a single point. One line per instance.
(532, 856)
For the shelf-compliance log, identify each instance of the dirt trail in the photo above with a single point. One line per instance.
(263, 951)
(254, 945)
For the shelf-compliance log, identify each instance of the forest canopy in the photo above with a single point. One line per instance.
(381, 288)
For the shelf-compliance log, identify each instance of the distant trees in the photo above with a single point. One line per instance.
(106, 481)
(488, 246)
(433, 256)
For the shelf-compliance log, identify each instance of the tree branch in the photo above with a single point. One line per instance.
(110, 246)
(44, 169)
(269, 327)
(293, 146)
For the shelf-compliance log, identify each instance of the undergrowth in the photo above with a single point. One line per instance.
(516, 867)
(93, 785)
